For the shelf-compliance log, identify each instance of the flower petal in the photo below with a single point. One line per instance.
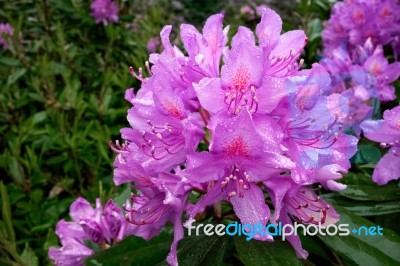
(269, 28)
(290, 43)
(203, 167)
(294, 240)
(244, 35)
(81, 209)
(278, 187)
(214, 195)
(251, 208)
(379, 131)
(72, 253)
(392, 72)
(210, 94)
(388, 168)
(243, 67)
(172, 257)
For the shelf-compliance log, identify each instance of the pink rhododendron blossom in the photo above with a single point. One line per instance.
(100, 226)
(227, 121)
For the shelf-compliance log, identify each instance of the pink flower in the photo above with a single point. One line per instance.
(153, 44)
(361, 77)
(352, 22)
(103, 227)
(299, 203)
(223, 121)
(387, 132)
(6, 32)
(104, 11)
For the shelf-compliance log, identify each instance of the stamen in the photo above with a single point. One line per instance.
(148, 68)
(137, 76)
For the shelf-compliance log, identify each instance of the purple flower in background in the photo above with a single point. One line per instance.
(260, 8)
(362, 77)
(102, 227)
(133, 26)
(381, 72)
(352, 22)
(353, 82)
(387, 132)
(153, 44)
(253, 11)
(6, 32)
(247, 12)
(104, 11)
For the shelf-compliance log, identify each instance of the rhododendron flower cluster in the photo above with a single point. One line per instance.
(6, 32)
(104, 11)
(234, 124)
(387, 132)
(352, 22)
(362, 76)
(353, 41)
(101, 227)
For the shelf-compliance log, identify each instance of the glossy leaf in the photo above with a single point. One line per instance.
(202, 250)
(6, 213)
(364, 208)
(361, 187)
(257, 253)
(133, 251)
(29, 257)
(367, 154)
(364, 249)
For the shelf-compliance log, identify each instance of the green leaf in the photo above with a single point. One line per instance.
(133, 251)
(121, 198)
(367, 154)
(6, 262)
(16, 75)
(29, 257)
(315, 247)
(255, 253)
(6, 213)
(39, 117)
(370, 153)
(364, 249)
(16, 170)
(364, 208)
(202, 250)
(36, 195)
(8, 61)
(361, 187)
(314, 29)
(195, 250)
(51, 240)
